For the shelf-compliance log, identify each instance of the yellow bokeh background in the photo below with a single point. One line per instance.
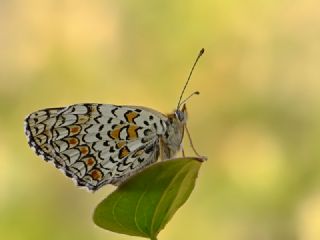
(257, 118)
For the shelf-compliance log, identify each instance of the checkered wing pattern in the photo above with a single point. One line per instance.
(96, 144)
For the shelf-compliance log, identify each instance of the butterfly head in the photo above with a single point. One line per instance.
(181, 115)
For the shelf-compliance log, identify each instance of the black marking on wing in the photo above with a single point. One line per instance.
(149, 149)
(113, 111)
(98, 135)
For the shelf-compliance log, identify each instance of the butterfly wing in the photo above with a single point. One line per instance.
(37, 129)
(96, 144)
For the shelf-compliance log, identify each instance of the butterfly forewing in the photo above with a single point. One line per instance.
(96, 144)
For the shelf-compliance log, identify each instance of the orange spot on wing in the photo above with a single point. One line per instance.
(73, 141)
(124, 152)
(120, 144)
(96, 174)
(115, 134)
(84, 150)
(132, 132)
(75, 130)
(130, 116)
(90, 161)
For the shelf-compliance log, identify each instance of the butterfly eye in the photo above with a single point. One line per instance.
(180, 115)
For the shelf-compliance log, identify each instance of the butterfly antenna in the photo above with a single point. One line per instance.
(194, 93)
(185, 85)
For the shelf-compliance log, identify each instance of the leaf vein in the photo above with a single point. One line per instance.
(162, 197)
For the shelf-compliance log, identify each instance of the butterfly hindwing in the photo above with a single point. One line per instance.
(96, 144)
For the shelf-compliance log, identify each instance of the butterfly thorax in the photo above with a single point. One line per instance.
(171, 140)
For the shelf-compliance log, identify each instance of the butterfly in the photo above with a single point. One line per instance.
(99, 144)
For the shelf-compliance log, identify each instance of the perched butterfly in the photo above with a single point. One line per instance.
(98, 144)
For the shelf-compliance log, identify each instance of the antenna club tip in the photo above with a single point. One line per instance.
(197, 92)
(201, 52)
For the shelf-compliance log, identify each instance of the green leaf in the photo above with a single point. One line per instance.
(144, 204)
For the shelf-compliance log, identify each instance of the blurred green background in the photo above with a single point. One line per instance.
(257, 118)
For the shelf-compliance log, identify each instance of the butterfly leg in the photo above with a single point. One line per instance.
(182, 151)
(191, 144)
